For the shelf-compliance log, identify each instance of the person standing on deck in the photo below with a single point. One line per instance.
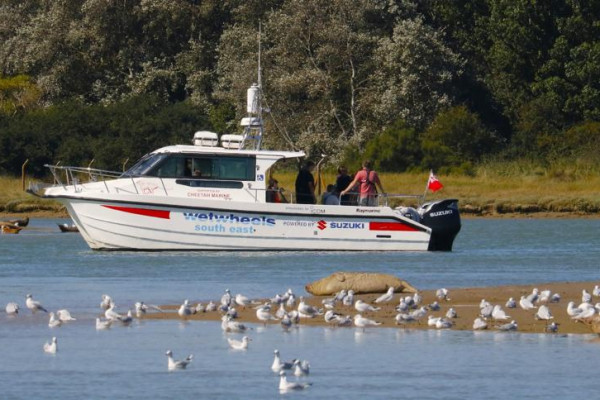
(342, 182)
(305, 185)
(368, 180)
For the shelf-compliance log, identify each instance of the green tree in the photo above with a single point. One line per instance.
(396, 149)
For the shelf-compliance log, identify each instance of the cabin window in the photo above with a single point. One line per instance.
(204, 167)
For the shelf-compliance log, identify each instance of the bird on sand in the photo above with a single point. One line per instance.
(388, 296)
(362, 322)
(173, 365)
(361, 306)
(526, 304)
(479, 324)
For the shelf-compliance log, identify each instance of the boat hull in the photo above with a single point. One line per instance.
(149, 226)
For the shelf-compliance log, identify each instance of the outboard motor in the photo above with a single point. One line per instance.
(444, 220)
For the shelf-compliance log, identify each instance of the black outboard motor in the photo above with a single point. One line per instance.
(444, 220)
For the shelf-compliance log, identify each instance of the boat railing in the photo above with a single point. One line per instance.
(75, 176)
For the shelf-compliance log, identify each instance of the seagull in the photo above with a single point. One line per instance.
(291, 301)
(278, 365)
(285, 386)
(294, 316)
(306, 310)
(349, 298)
(239, 344)
(552, 328)
(185, 309)
(442, 294)
(106, 302)
(232, 312)
(263, 314)
(534, 296)
(340, 295)
(484, 303)
(33, 305)
(419, 313)
(54, 322)
(65, 315)
(431, 320)
(211, 306)
(544, 313)
(584, 314)
(126, 319)
(111, 314)
(280, 311)
(12, 308)
(526, 304)
(451, 313)
(435, 306)
(596, 291)
(141, 308)
(286, 322)
(361, 306)
(486, 311)
(226, 298)
(301, 368)
(403, 306)
(443, 324)
(511, 303)
(572, 310)
(586, 297)
(511, 326)
(51, 347)
(402, 318)
(388, 296)
(229, 325)
(498, 314)
(545, 296)
(172, 365)
(241, 300)
(479, 324)
(362, 322)
(417, 298)
(329, 303)
(200, 308)
(103, 324)
(555, 298)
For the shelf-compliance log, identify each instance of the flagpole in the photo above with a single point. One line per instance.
(426, 187)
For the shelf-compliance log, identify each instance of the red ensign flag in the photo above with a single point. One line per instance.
(434, 184)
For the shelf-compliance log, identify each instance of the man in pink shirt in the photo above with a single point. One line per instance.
(367, 190)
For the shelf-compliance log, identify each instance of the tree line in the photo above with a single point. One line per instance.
(411, 84)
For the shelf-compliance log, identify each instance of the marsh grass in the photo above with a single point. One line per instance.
(496, 188)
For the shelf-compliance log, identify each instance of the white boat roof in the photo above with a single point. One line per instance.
(191, 149)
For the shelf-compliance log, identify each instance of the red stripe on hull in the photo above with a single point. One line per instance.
(143, 211)
(390, 226)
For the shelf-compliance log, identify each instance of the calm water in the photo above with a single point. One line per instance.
(62, 272)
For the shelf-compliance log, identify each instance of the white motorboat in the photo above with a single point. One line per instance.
(212, 195)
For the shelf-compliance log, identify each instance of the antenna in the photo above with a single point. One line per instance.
(253, 123)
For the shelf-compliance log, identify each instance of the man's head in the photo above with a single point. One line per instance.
(366, 164)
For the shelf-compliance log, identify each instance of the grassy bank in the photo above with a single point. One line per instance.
(487, 194)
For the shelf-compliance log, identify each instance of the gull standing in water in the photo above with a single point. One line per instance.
(103, 324)
(111, 314)
(54, 322)
(286, 322)
(239, 344)
(51, 347)
(285, 386)
(173, 365)
(106, 302)
(229, 325)
(301, 368)
(279, 365)
(126, 319)
(12, 308)
(34, 305)
(388, 296)
(65, 315)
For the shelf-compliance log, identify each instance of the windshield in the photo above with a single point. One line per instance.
(144, 165)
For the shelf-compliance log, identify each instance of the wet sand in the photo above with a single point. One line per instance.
(464, 300)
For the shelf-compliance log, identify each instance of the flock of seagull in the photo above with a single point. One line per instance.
(409, 309)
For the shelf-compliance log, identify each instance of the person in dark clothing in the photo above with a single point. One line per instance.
(341, 183)
(305, 185)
